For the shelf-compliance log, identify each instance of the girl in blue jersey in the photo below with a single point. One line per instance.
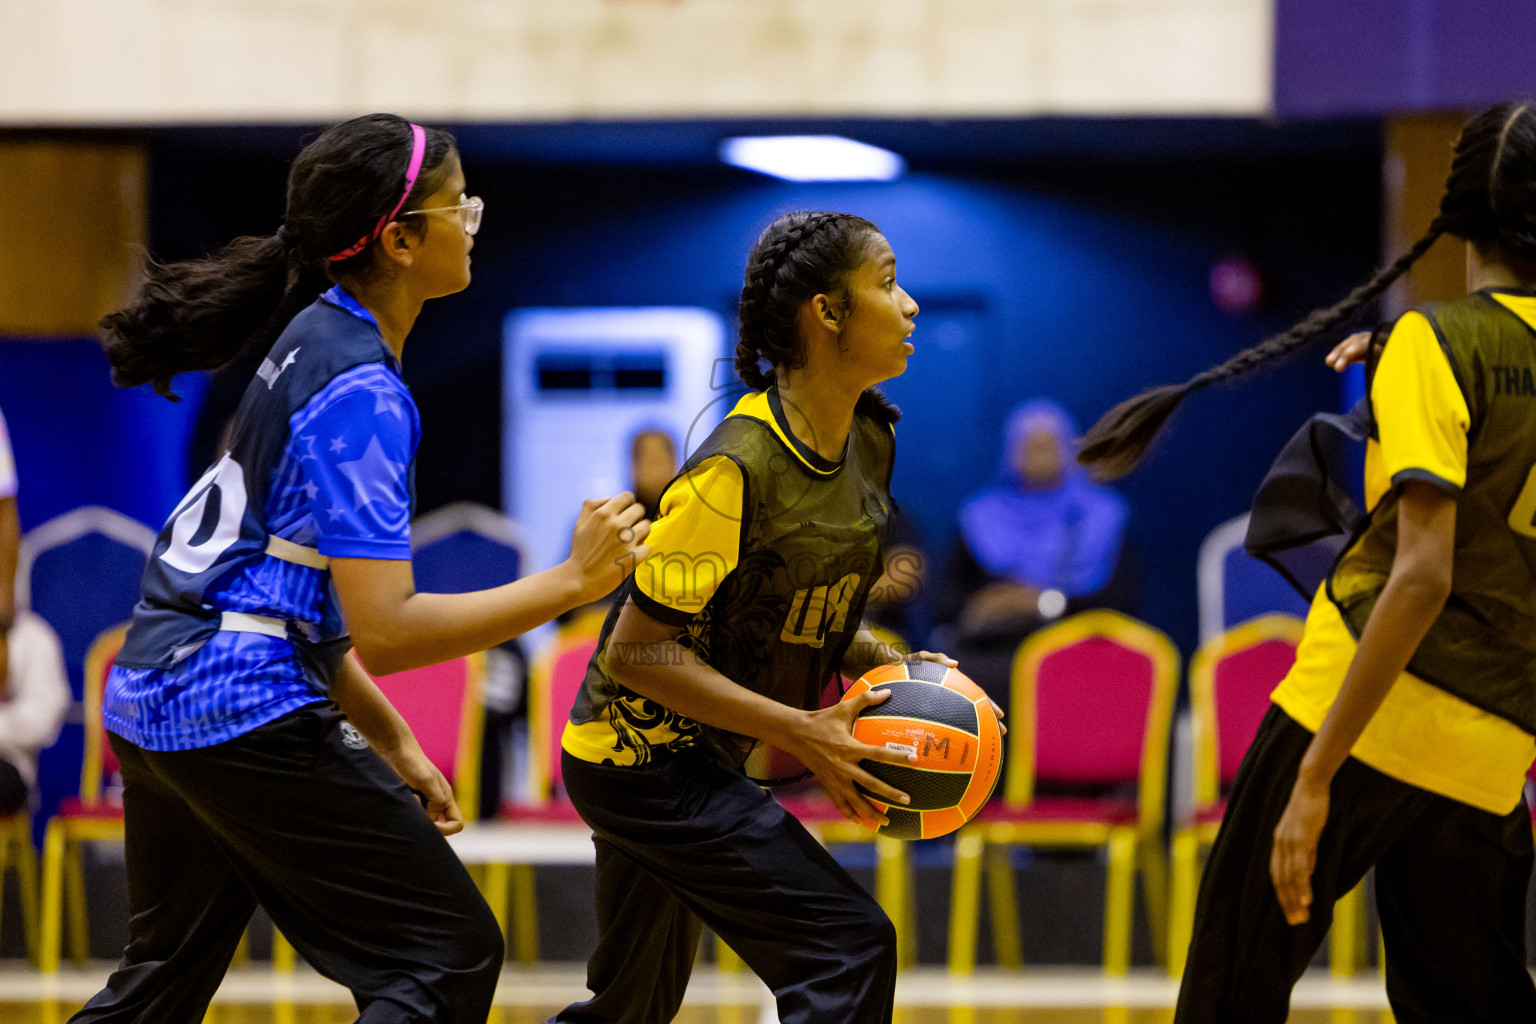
(260, 762)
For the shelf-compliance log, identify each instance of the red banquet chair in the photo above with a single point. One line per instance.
(1230, 680)
(555, 680)
(1092, 699)
(442, 705)
(546, 830)
(96, 815)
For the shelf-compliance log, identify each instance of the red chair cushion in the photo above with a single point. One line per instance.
(811, 808)
(1092, 701)
(74, 807)
(432, 699)
(1053, 809)
(556, 812)
(1211, 815)
(1243, 681)
(110, 769)
(565, 677)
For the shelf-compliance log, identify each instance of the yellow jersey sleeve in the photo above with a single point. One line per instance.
(695, 542)
(1421, 414)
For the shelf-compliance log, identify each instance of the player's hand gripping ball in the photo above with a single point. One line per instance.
(944, 718)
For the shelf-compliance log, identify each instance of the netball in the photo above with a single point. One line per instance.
(943, 717)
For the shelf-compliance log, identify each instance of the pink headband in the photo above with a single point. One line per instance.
(418, 151)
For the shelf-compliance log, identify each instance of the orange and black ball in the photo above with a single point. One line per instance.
(944, 718)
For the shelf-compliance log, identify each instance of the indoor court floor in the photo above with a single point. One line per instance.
(252, 995)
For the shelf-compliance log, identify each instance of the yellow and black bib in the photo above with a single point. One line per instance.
(764, 553)
(1482, 647)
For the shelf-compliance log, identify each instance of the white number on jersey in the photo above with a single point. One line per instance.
(223, 488)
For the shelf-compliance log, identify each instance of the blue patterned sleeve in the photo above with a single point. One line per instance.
(357, 465)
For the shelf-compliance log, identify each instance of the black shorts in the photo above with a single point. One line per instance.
(683, 840)
(308, 821)
(1451, 886)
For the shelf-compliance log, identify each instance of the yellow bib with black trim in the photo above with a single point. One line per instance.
(1482, 646)
(764, 555)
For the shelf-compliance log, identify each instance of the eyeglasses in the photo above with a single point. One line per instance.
(473, 207)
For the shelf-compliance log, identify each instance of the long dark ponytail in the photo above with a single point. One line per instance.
(199, 314)
(800, 255)
(1489, 200)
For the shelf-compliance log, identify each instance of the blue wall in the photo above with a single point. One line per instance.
(80, 441)
(1081, 275)
(1086, 284)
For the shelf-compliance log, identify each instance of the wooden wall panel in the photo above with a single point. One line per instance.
(74, 231)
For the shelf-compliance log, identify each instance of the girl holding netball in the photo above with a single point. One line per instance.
(764, 552)
(1401, 737)
(260, 762)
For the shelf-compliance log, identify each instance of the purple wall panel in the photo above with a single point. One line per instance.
(1337, 57)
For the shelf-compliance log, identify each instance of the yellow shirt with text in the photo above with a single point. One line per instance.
(1421, 735)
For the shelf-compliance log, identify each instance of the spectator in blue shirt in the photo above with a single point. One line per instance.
(1042, 541)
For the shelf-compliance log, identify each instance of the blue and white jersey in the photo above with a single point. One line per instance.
(238, 623)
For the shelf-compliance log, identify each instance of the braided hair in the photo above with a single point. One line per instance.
(798, 256)
(200, 314)
(1489, 200)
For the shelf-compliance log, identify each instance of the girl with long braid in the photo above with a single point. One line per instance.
(1401, 737)
(260, 762)
(764, 552)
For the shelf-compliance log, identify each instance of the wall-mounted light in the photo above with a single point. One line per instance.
(812, 158)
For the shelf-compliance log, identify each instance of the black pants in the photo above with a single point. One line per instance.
(1451, 886)
(330, 842)
(684, 839)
